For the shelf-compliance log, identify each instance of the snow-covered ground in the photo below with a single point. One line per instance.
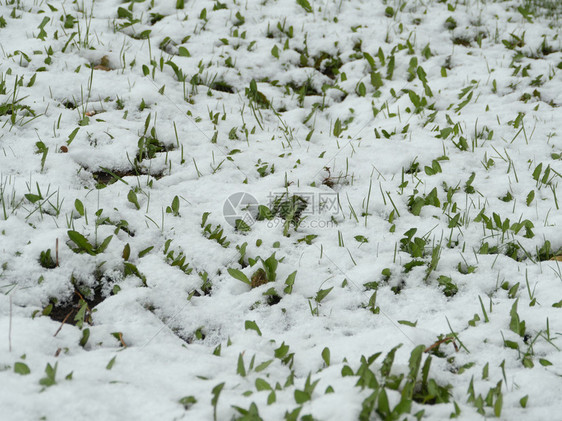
(280, 209)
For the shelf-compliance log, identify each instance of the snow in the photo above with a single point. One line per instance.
(334, 122)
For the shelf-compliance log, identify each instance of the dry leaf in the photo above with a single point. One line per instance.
(104, 64)
(259, 278)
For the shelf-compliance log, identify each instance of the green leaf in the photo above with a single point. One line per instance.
(321, 294)
(415, 361)
(361, 90)
(238, 274)
(81, 314)
(301, 396)
(370, 60)
(361, 239)
(281, 351)
(144, 252)
(263, 366)
(21, 368)
(81, 242)
(305, 5)
(530, 197)
(264, 213)
(79, 207)
(270, 266)
(388, 361)
(528, 362)
(252, 325)
(101, 248)
(511, 344)
(110, 364)
(187, 401)
(33, 198)
(72, 135)
(132, 197)
(516, 325)
(326, 356)
(498, 406)
(175, 205)
(183, 52)
(376, 80)
(261, 384)
(290, 281)
(123, 13)
(47, 310)
(271, 398)
(346, 371)
(216, 393)
(383, 407)
(126, 252)
(240, 369)
(537, 172)
(50, 374)
(414, 98)
(131, 269)
(337, 128)
(85, 337)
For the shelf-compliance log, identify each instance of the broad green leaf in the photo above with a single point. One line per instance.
(323, 293)
(261, 384)
(187, 401)
(252, 325)
(301, 396)
(21, 368)
(290, 281)
(81, 242)
(238, 274)
(79, 207)
(183, 52)
(270, 266)
(132, 197)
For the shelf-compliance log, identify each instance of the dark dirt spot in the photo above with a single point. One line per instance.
(66, 312)
(107, 177)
